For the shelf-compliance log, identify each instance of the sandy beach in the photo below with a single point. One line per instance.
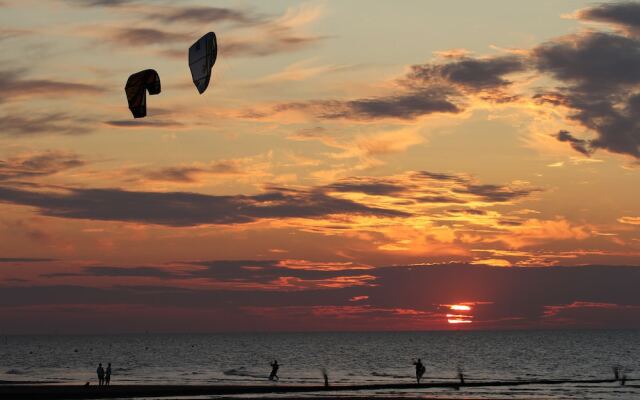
(54, 392)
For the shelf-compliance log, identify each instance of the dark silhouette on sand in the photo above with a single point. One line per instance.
(107, 375)
(273, 376)
(100, 372)
(420, 369)
(461, 376)
(326, 377)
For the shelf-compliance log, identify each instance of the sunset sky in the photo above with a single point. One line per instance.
(353, 165)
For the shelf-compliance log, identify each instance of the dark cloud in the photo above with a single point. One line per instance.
(207, 15)
(190, 174)
(262, 46)
(371, 187)
(579, 145)
(601, 77)
(407, 106)
(263, 272)
(615, 119)
(430, 187)
(186, 209)
(439, 199)
(144, 124)
(15, 84)
(259, 45)
(402, 106)
(468, 73)
(25, 259)
(100, 3)
(38, 164)
(495, 193)
(167, 296)
(148, 36)
(110, 271)
(426, 89)
(505, 222)
(265, 36)
(622, 14)
(254, 272)
(594, 61)
(175, 174)
(506, 297)
(470, 211)
(189, 209)
(438, 176)
(34, 124)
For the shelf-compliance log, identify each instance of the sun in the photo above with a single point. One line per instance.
(461, 316)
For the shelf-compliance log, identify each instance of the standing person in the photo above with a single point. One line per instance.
(100, 372)
(420, 369)
(461, 375)
(107, 375)
(273, 376)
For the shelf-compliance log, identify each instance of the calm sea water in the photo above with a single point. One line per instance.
(348, 357)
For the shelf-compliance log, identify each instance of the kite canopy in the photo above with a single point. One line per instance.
(137, 85)
(202, 56)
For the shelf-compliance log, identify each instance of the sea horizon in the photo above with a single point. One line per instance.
(247, 332)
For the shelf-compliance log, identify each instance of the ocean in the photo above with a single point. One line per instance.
(376, 357)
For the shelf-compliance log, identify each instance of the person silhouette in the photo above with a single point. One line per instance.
(100, 372)
(420, 369)
(107, 375)
(325, 375)
(273, 376)
(461, 376)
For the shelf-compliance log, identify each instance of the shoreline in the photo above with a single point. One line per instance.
(60, 392)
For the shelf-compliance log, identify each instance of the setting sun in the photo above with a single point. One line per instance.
(459, 318)
(458, 321)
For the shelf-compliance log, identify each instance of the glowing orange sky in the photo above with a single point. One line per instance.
(328, 150)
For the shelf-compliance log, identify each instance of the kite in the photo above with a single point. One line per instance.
(137, 86)
(202, 56)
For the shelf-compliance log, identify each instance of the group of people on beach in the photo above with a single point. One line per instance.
(273, 376)
(104, 376)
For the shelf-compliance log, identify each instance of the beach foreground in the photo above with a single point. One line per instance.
(51, 392)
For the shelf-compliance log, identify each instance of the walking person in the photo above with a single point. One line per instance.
(100, 372)
(420, 369)
(273, 376)
(107, 375)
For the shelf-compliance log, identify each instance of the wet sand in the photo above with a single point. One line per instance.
(59, 392)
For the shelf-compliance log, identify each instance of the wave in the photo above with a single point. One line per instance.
(236, 371)
(15, 372)
(384, 375)
(242, 371)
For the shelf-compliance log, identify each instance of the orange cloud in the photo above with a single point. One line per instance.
(629, 220)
